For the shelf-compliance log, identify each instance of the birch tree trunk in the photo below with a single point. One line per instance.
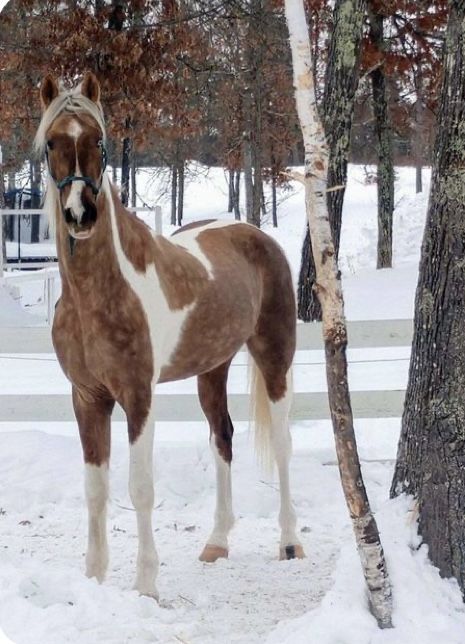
(341, 82)
(328, 288)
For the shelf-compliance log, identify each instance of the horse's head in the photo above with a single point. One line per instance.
(72, 134)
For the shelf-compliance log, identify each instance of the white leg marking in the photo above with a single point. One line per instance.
(142, 497)
(96, 485)
(224, 517)
(282, 447)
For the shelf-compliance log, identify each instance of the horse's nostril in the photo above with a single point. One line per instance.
(69, 216)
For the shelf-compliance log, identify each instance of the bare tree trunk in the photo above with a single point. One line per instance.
(431, 452)
(384, 149)
(274, 206)
(133, 183)
(126, 166)
(341, 82)
(230, 190)
(248, 181)
(174, 193)
(418, 179)
(180, 192)
(35, 199)
(237, 188)
(334, 326)
(2, 219)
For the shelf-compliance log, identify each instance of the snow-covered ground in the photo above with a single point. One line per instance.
(252, 597)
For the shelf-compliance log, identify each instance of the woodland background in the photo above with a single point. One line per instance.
(210, 80)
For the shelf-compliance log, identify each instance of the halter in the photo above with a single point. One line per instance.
(87, 180)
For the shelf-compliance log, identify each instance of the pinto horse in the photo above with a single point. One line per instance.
(137, 309)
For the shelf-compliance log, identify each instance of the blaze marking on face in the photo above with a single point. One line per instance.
(74, 201)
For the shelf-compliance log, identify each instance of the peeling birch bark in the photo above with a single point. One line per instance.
(328, 287)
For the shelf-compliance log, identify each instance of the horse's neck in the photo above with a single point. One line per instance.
(95, 261)
(87, 263)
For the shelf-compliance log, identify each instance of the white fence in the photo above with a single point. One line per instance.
(378, 403)
(151, 216)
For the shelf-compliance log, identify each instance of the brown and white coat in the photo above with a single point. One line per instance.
(137, 309)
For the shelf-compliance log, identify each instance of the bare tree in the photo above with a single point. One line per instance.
(329, 290)
(431, 453)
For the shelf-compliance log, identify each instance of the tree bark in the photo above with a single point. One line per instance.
(248, 180)
(180, 192)
(133, 183)
(418, 178)
(237, 188)
(329, 290)
(384, 148)
(431, 453)
(2, 219)
(126, 166)
(341, 82)
(230, 190)
(174, 193)
(274, 205)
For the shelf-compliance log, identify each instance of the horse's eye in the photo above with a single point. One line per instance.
(50, 145)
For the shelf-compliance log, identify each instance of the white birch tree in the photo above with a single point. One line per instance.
(328, 287)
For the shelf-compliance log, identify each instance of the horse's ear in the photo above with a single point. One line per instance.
(90, 87)
(48, 91)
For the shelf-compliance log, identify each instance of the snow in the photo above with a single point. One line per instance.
(252, 597)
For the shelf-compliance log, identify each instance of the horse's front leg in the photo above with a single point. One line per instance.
(141, 429)
(94, 418)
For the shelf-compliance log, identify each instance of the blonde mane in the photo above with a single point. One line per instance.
(71, 102)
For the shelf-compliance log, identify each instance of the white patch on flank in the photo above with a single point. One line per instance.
(74, 201)
(188, 240)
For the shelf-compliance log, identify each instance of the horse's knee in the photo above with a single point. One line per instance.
(96, 488)
(141, 492)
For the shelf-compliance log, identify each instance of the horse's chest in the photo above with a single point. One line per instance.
(109, 345)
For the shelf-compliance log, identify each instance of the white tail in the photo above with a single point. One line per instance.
(260, 412)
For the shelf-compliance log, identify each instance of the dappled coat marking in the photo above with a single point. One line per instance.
(137, 309)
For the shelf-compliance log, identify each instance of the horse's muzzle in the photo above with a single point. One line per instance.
(81, 228)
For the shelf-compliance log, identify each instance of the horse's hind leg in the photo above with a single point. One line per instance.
(276, 390)
(212, 396)
(93, 416)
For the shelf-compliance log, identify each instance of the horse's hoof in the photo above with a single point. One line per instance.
(152, 593)
(211, 553)
(291, 552)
